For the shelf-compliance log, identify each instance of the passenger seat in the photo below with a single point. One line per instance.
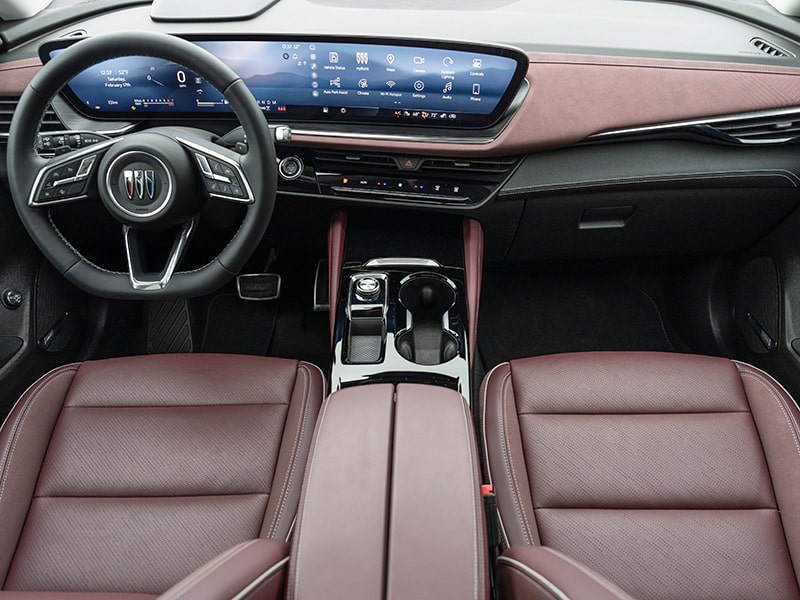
(651, 475)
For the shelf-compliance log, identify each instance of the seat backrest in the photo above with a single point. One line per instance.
(126, 475)
(674, 476)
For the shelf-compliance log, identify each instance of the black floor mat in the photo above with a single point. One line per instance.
(237, 326)
(536, 310)
(287, 327)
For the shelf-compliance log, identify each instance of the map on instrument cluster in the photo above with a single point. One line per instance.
(310, 80)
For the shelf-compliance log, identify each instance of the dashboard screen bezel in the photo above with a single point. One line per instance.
(476, 123)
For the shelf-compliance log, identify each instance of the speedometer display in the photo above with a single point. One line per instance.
(450, 85)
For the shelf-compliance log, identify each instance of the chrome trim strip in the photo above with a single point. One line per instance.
(172, 263)
(765, 114)
(377, 263)
(537, 577)
(245, 593)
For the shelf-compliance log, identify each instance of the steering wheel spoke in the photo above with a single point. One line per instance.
(140, 277)
(68, 178)
(220, 170)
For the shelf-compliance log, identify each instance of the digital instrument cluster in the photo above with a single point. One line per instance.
(328, 80)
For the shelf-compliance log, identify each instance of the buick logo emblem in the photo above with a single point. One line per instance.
(140, 184)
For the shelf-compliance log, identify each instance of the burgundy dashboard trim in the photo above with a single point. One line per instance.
(625, 92)
(16, 75)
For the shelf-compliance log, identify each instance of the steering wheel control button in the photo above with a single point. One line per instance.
(221, 179)
(66, 181)
(12, 299)
(290, 168)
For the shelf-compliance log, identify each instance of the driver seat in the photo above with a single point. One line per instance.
(120, 477)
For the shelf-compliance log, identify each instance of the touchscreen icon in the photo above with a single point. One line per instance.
(362, 58)
(390, 58)
(336, 82)
(419, 60)
(477, 63)
(447, 61)
(333, 57)
(419, 85)
(476, 89)
(448, 87)
(390, 84)
(362, 83)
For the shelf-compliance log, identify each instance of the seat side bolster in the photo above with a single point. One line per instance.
(505, 458)
(777, 420)
(307, 396)
(24, 439)
(252, 570)
(539, 573)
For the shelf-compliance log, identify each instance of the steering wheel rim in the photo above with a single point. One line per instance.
(25, 165)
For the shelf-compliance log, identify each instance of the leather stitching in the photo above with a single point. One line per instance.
(11, 446)
(295, 446)
(788, 417)
(509, 463)
(208, 569)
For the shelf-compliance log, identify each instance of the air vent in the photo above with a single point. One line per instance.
(770, 48)
(334, 160)
(468, 165)
(9, 105)
(761, 130)
(480, 171)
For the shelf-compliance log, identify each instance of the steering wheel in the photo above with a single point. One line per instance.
(152, 180)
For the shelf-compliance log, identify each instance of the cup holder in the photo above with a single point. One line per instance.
(427, 340)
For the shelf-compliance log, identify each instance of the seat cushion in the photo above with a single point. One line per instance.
(672, 475)
(125, 475)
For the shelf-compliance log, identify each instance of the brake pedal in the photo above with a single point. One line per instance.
(259, 286)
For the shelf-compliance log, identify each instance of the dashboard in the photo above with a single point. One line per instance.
(314, 80)
(410, 105)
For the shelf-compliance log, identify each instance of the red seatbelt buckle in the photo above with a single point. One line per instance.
(487, 489)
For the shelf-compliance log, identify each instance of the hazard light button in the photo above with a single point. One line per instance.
(409, 163)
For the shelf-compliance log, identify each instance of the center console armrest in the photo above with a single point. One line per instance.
(539, 573)
(437, 533)
(340, 537)
(252, 570)
(391, 504)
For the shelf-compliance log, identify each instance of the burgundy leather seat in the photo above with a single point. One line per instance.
(125, 475)
(668, 476)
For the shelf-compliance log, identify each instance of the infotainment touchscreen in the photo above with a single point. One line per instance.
(451, 85)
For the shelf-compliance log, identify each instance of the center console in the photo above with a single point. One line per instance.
(392, 502)
(405, 299)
